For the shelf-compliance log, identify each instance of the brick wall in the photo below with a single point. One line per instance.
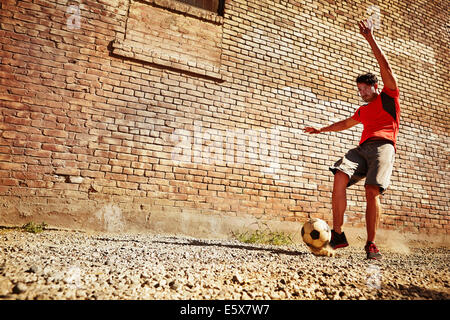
(102, 126)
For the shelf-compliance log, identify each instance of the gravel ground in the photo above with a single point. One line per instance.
(76, 265)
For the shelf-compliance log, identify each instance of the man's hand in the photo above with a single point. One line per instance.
(366, 28)
(311, 130)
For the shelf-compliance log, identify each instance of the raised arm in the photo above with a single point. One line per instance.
(366, 29)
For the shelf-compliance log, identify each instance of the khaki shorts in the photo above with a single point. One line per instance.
(373, 160)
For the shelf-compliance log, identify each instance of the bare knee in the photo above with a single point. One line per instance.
(372, 192)
(340, 182)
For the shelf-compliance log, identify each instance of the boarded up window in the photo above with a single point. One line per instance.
(173, 34)
(210, 5)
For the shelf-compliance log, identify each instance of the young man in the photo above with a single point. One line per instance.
(374, 157)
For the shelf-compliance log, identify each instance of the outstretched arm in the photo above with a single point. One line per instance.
(366, 29)
(338, 126)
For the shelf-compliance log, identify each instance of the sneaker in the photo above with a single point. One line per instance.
(338, 240)
(372, 251)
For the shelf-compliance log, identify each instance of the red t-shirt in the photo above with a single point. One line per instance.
(381, 117)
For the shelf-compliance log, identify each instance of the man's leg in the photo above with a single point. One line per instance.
(373, 211)
(339, 199)
(381, 156)
(348, 170)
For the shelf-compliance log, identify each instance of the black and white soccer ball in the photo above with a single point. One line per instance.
(316, 233)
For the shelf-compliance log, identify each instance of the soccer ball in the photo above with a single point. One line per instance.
(316, 233)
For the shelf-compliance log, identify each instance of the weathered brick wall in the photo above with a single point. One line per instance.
(102, 126)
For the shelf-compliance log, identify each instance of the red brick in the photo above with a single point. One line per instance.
(68, 106)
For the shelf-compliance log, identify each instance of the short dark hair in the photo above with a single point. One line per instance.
(367, 78)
